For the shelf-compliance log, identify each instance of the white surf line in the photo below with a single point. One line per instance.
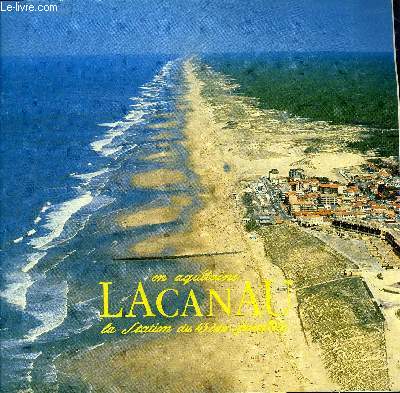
(58, 217)
(150, 90)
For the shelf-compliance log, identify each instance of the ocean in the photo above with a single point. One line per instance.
(74, 130)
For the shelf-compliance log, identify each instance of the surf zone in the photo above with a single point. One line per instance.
(247, 300)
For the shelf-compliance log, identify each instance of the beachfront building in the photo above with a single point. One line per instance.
(273, 175)
(331, 188)
(296, 174)
(329, 199)
(368, 195)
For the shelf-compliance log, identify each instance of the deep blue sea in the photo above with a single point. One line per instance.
(73, 131)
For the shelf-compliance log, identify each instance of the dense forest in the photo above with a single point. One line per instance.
(343, 88)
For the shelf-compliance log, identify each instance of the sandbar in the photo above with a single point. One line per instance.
(158, 178)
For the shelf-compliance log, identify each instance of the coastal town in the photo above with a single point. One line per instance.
(367, 200)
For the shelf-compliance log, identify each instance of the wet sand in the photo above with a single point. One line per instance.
(152, 216)
(170, 115)
(163, 136)
(165, 124)
(160, 156)
(164, 145)
(158, 178)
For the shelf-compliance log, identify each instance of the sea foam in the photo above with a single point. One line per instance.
(57, 218)
(144, 104)
(117, 129)
(33, 260)
(50, 311)
(86, 177)
(16, 289)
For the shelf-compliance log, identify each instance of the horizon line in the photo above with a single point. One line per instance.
(391, 52)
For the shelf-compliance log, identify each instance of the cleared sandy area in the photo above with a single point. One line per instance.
(385, 287)
(387, 293)
(267, 139)
(158, 178)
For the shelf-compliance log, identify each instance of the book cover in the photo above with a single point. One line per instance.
(199, 196)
